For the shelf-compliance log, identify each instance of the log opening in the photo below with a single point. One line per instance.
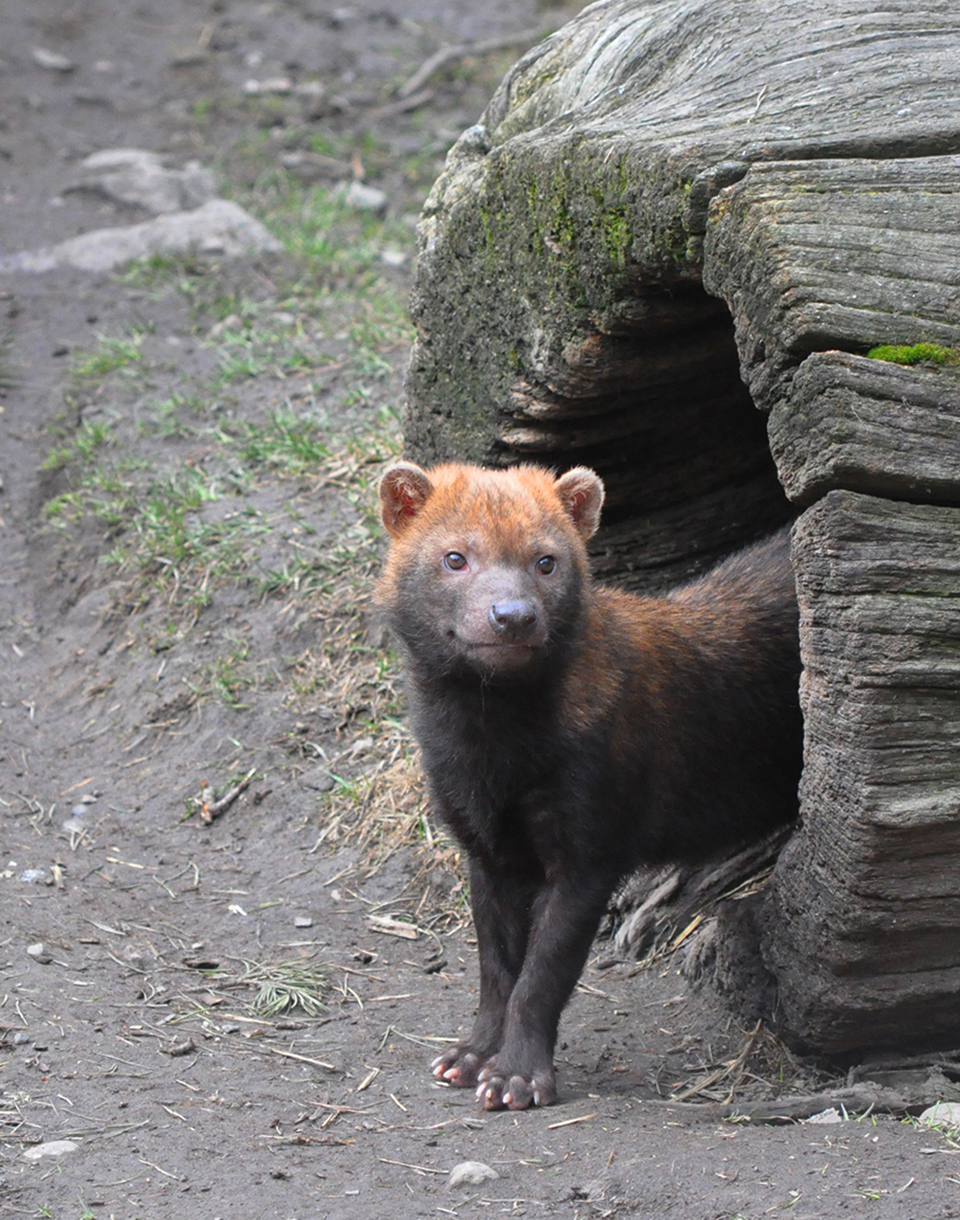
(658, 408)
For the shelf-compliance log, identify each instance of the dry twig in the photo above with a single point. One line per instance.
(448, 54)
(213, 809)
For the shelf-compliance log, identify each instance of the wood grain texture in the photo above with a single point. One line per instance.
(871, 426)
(843, 254)
(863, 934)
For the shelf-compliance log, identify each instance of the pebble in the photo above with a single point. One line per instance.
(342, 16)
(393, 258)
(367, 198)
(471, 1173)
(30, 875)
(55, 1148)
(303, 921)
(279, 85)
(943, 1114)
(52, 60)
(319, 780)
(139, 176)
(231, 322)
(313, 167)
(39, 953)
(832, 1115)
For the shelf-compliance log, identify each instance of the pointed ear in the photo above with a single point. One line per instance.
(581, 494)
(404, 489)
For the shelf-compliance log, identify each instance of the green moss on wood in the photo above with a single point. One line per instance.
(915, 353)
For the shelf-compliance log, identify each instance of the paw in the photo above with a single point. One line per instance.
(458, 1065)
(504, 1090)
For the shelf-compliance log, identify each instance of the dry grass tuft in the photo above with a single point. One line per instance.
(286, 986)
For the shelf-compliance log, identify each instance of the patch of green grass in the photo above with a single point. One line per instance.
(293, 576)
(239, 361)
(379, 325)
(335, 242)
(112, 352)
(7, 379)
(159, 274)
(89, 437)
(166, 416)
(161, 527)
(227, 677)
(287, 443)
(916, 353)
(161, 520)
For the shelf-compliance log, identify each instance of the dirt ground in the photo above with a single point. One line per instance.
(234, 1017)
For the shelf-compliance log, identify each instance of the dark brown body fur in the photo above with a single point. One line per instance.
(571, 732)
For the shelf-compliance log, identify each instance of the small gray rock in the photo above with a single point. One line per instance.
(55, 1148)
(319, 780)
(220, 226)
(367, 198)
(39, 953)
(943, 1114)
(52, 60)
(139, 177)
(278, 84)
(303, 921)
(471, 1173)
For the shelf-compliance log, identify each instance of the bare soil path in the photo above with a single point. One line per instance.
(224, 1018)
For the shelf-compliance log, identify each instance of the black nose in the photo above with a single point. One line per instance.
(512, 617)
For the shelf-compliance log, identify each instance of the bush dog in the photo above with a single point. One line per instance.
(571, 732)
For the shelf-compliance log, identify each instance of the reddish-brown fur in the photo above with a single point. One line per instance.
(572, 732)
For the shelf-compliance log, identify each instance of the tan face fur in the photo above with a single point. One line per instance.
(486, 566)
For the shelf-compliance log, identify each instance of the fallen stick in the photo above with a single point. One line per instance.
(446, 55)
(213, 809)
(795, 1109)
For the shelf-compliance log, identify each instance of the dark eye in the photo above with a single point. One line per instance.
(546, 565)
(454, 561)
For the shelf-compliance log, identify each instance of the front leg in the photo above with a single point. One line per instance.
(565, 919)
(502, 905)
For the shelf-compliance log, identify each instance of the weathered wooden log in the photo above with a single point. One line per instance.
(836, 254)
(559, 306)
(862, 925)
(868, 425)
